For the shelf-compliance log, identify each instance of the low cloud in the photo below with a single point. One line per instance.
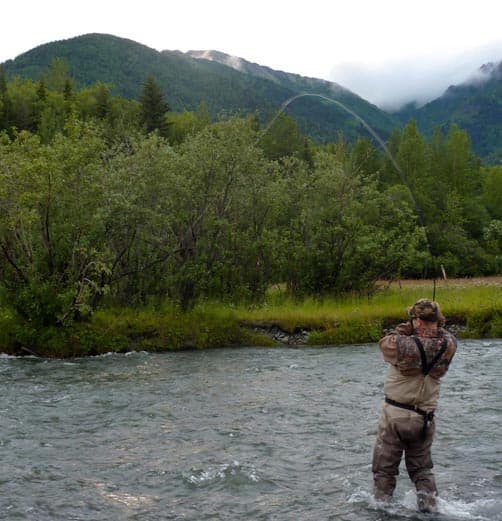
(417, 80)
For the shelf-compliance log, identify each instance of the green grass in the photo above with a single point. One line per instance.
(474, 304)
(455, 299)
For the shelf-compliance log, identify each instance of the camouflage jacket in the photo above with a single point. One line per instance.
(406, 381)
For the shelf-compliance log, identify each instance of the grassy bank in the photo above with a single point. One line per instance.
(473, 306)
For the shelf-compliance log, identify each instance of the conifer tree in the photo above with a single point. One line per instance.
(103, 101)
(68, 90)
(39, 103)
(5, 102)
(153, 107)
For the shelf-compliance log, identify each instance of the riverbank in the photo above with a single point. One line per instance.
(473, 309)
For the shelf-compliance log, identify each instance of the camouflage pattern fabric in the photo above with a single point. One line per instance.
(408, 354)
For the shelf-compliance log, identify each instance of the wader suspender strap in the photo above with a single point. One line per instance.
(425, 366)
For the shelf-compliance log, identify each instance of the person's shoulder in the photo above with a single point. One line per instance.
(405, 328)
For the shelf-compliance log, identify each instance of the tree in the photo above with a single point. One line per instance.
(51, 250)
(58, 76)
(461, 166)
(39, 103)
(365, 158)
(103, 101)
(183, 124)
(463, 170)
(345, 233)
(411, 156)
(493, 238)
(153, 107)
(283, 138)
(222, 211)
(492, 191)
(389, 175)
(5, 102)
(193, 221)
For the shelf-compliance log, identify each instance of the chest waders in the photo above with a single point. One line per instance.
(426, 367)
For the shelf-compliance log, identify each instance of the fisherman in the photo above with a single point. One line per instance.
(419, 353)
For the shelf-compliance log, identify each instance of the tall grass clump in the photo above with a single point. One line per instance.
(167, 328)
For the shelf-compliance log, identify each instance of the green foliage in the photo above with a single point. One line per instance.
(492, 191)
(345, 320)
(50, 197)
(6, 110)
(184, 124)
(446, 187)
(220, 235)
(8, 325)
(348, 234)
(282, 139)
(94, 210)
(484, 323)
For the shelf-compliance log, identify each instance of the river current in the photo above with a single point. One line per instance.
(235, 434)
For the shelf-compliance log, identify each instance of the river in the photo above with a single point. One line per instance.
(235, 434)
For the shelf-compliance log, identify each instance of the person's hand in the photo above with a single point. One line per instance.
(406, 328)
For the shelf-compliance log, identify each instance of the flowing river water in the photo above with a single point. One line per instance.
(235, 434)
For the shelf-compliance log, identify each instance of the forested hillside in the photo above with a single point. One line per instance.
(187, 83)
(475, 106)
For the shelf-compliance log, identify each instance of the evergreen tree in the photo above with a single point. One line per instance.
(153, 107)
(411, 154)
(41, 90)
(492, 191)
(388, 175)
(58, 76)
(103, 101)
(68, 90)
(5, 102)
(39, 103)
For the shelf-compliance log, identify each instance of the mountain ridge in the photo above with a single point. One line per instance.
(187, 82)
(228, 84)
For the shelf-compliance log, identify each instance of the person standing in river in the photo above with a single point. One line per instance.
(419, 353)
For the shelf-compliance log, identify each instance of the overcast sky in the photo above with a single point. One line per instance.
(388, 51)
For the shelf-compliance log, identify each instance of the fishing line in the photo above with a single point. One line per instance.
(418, 210)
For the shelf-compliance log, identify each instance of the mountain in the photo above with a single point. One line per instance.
(294, 82)
(475, 106)
(223, 83)
(231, 85)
